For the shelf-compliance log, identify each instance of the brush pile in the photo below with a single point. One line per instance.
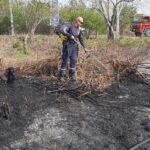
(2, 65)
(123, 69)
(89, 70)
(39, 68)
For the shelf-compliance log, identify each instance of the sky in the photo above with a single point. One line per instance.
(143, 6)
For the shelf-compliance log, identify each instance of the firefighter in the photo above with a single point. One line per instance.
(72, 34)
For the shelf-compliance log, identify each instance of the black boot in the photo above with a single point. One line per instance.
(62, 75)
(72, 74)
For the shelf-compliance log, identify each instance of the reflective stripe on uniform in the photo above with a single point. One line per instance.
(62, 69)
(72, 68)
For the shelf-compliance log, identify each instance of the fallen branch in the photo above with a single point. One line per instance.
(54, 91)
(143, 78)
(140, 144)
(84, 94)
(63, 89)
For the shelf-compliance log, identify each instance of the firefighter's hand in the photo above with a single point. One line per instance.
(62, 37)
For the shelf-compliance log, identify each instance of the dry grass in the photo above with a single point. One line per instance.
(38, 68)
(103, 65)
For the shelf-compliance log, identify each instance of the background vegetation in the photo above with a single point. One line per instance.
(34, 17)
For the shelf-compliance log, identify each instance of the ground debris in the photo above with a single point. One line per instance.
(109, 119)
(39, 68)
(140, 144)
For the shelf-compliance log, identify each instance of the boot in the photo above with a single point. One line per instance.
(62, 79)
(72, 75)
(62, 75)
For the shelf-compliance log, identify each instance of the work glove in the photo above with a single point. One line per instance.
(62, 37)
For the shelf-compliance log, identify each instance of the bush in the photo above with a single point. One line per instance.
(4, 25)
(20, 49)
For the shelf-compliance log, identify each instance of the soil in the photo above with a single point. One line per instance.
(49, 115)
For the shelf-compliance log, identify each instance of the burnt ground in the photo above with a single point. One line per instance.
(35, 118)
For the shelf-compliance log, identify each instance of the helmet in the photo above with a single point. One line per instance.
(80, 19)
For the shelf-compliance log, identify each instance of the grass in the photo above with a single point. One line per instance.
(101, 42)
(88, 69)
(20, 50)
(122, 41)
(133, 42)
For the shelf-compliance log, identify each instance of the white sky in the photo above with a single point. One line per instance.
(143, 6)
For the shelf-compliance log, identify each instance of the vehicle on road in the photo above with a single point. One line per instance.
(141, 25)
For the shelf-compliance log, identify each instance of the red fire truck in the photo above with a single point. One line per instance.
(141, 25)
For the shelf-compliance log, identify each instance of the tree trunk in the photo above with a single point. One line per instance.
(32, 31)
(117, 24)
(110, 32)
(11, 17)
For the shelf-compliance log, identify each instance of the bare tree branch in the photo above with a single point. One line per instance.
(111, 11)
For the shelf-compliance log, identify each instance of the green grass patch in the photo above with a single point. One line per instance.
(123, 41)
(20, 50)
(132, 42)
(99, 42)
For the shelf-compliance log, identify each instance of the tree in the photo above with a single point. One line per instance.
(19, 17)
(34, 13)
(4, 17)
(3, 8)
(11, 17)
(111, 10)
(4, 25)
(92, 20)
(126, 18)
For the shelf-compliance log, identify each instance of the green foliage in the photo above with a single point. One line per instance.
(20, 49)
(132, 42)
(92, 20)
(126, 18)
(101, 41)
(16, 45)
(19, 18)
(4, 18)
(35, 13)
(4, 25)
(3, 8)
(128, 42)
(29, 16)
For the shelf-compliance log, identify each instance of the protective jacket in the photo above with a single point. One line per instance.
(71, 30)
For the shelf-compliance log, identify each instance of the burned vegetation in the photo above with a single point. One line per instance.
(39, 113)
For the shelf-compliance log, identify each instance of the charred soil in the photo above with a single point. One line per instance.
(49, 115)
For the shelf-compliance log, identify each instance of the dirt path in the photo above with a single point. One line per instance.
(115, 119)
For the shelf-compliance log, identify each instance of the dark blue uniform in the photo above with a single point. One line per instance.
(70, 48)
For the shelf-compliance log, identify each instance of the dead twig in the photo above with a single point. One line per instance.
(58, 90)
(84, 94)
(140, 144)
(143, 78)
(62, 88)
